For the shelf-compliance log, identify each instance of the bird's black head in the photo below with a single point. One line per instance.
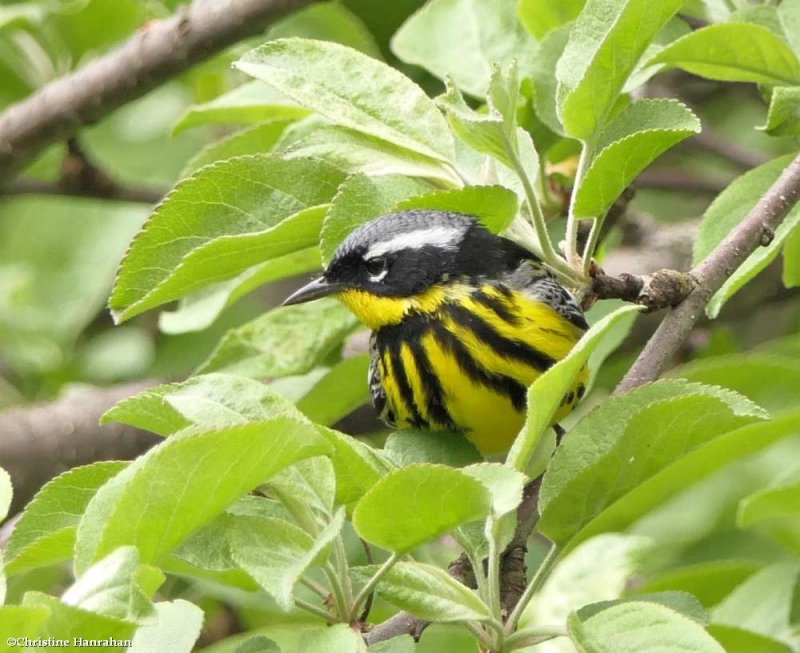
(403, 254)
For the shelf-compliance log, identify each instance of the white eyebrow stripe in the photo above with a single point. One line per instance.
(439, 235)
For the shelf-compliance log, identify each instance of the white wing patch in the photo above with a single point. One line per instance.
(442, 236)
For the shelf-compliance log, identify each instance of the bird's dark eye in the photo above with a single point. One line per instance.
(376, 265)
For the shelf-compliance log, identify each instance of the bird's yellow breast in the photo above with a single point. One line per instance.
(462, 357)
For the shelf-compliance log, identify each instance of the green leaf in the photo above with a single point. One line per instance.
(781, 500)
(412, 446)
(353, 90)
(6, 492)
(200, 310)
(684, 472)
(629, 143)
(744, 641)
(247, 104)
(209, 547)
(770, 381)
(276, 554)
(728, 210)
(360, 199)
(45, 533)
(789, 16)
(306, 487)
(109, 588)
(177, 629)
(329, 21)
(604, 47)
(66, 622)
(633, 627)
(494, 206)
(734, 52)
(354, 151)
(358, 466)
(709, 582)
(415, 504)
(783, 117)
(184, 482)
(401, 644)
(543, 74)
(463, 39)
(19, 622)
(547, 392)
(209, 400)
(431, 593)
(258, 139)
(543, 16)
(681, 602)
(763, 603)
(628, 439)
(336, 638)
(494, 133)
(504, 484)
(280, 342)
(228, 217)
(257, 644)
(338, 393)
(596, 570)
(791, 260)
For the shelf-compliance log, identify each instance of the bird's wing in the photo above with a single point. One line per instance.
(539, 284)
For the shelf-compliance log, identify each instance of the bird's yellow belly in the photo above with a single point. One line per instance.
(482, 365)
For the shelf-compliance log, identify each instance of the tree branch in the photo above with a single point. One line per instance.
(82, 178)
(40, 441)
(711, 274)
(155, 53)
(660, 289)
(122, 193)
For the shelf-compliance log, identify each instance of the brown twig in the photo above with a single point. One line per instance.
(711, 273)
(158, 51)
(728, 149)
(39, 441)
(657, 290)
(80, 177)
(121, 193)
(678, 180)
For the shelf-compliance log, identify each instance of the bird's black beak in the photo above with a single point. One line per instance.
(313, 290)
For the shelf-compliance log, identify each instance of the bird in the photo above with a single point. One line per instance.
(462, 320)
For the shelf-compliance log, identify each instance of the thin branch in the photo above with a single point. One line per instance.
(39, 441)
(157, 52)
(660, 289)
(728, 149)
(678, 180)
(712, 273)
(117, 192)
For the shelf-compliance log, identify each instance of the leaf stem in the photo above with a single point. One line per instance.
(571, 244)
(476, 564)
(481, 635)
(533, 636)
(371, 583)
(313, 609)
(538, 578)
(315, 587)
(494, 567)
(337, 591)
(548, 252)
(591, 244)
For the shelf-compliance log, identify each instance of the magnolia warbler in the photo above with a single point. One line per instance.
(462, 321)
